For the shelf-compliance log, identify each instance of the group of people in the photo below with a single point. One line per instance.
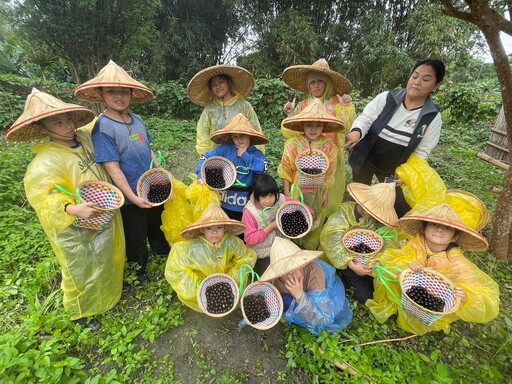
(311, 272)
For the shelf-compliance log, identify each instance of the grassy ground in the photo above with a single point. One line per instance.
(149, 337)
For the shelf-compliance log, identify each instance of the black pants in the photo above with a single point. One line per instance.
(141, 224)
(363, 285)
(235, 215)
(365, 176)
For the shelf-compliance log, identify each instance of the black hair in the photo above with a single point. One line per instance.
(222, 76)
(452, 244)
(264, 185)
(436, 64)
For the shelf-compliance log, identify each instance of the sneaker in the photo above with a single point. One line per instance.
(143, 279)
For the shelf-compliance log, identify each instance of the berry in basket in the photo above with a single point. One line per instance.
(214, 177)
(158, 193)
(311, 171)
(362, 248)
(294, 223)
(255, 308)
(424, 298)
(219, 298)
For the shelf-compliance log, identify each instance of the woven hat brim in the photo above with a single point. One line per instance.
(289, 263)
(26, 129)
(199, 90)
(225, 137)
(296, 124)
(296, 77)
(469, 240)
(194, 230)
(89, 91)
(388, 217)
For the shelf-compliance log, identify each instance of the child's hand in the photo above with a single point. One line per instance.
(416, 267)
(459, 292)
(241, 149)
(344, 100)
(294, 284)
(200, 181)
(271, 227)
(359, 269)
(289, 107)
(141, 202)
(84, 210)
(352, 138)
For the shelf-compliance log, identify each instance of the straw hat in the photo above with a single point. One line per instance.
(296, 77)
(315, 112)
(40, 105)
(285, 256)
(378, 200)
(469, 240)
(238, 124)
(199, 90)
(112, 75)
(213, 215)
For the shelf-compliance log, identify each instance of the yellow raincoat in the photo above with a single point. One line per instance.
(217, 115)
(92, 262)
(287, 170)
(190, 261)
(482, 292)
(347, 115)
(340, 223)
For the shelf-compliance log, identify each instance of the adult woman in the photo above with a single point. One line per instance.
(396, 124)
(221, 90)
(318, 81)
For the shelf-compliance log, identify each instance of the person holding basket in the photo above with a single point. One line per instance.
(440, 237)
(309, 163)
(123, 145)
(92, 261)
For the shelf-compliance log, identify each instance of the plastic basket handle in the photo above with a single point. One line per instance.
(294, 188)
(263, 218)
(391, 278)
(243, 275)
(76, 197)
(387, 233)
(160, 158)
(239, 170)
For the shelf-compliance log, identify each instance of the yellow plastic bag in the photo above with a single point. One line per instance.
(200, 197)
(177, 213)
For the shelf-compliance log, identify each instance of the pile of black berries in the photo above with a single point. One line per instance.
(425, 299)
(294, 223)
(361, 248)
(255, 308)
(219, 298)
(311, 171)
(158, 193)
(214, 177)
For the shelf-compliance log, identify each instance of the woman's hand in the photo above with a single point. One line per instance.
(359, 269)
(344, 100)
(289, 107)
(416, 267)
(352, 138)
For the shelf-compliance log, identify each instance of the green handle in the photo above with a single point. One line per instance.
(387, 233)
(243, 275)
(381, 272)
(292, 192)
(263, 218)
(75, 197)
(160, 158)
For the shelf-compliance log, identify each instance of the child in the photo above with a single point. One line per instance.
(123, 144)
(222, 91)
(259, 218)
(237, 144)
(92, 262)
(439, 238)
(313, 295)
(372, 208)
(211, 246)
(312, 122)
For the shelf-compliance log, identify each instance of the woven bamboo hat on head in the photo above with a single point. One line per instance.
(40, 105)
(378, 200)
(213, 215)
(314, 112)
(469, 240)
(296, 77)
(285, 256)
(199, 90)
(241, 125)
(112, 75)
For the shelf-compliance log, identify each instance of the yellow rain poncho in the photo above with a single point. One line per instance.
(347, 115)
(190, 261)
(216, 116)
(482, 292)
(340, 223)
(92, 262)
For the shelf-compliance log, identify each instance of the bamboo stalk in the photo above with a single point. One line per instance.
(387, 340)
(495, 162)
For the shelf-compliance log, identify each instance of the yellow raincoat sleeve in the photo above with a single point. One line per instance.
(346, 114)
(204, 130)
(287, 169)
(331, 151)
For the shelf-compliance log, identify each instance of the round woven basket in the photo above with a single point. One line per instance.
(105, 197)
(292, 207)
(208, 282)
(308, 160)
(223, 168)
(273, 301)
(359, 236)
(436, 284)
(155, 185)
